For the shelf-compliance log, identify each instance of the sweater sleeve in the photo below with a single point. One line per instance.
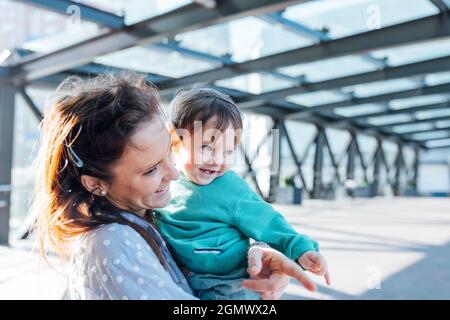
(259, 220)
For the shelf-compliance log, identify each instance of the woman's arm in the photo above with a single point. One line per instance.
(121, 265)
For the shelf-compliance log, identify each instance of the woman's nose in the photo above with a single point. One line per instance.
(172, 172)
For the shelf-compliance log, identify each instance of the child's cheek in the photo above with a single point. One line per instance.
(195, 158)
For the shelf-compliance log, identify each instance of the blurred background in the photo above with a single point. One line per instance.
(347, 119)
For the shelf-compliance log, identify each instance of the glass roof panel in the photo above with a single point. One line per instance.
(417, 101)
(438, 143)
(381, 87)
(432, 113)
(25, 25)
(244, 39)
(317, 98)
(255, 83)
(367, 144)
(443, 124)
(63, 39)
(437, 78)
(413, 127)
(330, 68)
(347, 17)
(135, 10)
(390, 150)
(338, 140)
(390, 119)
(431, 135)
(360, 110)
(416, 52)
(154, 61)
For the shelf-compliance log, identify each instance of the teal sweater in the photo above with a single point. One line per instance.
(209, 226)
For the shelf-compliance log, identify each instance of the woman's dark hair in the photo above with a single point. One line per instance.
(86, 126)
(203, 104)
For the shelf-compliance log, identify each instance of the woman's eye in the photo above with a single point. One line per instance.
(151, 171)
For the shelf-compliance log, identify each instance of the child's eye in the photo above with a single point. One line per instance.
(228, 153)
(207, 147)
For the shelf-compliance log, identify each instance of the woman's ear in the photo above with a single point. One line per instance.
(94, 185)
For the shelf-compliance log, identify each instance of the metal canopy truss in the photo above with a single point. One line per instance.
(167, 25)
(433, 27)
(160, 33)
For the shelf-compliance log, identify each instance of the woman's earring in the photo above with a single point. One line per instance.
(103, 193)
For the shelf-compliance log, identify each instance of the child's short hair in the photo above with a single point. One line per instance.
(202, 104)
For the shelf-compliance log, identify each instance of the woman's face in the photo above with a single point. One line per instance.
(143, 173)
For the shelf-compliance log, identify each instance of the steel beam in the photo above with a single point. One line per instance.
(416, 168)
(259, 146)
(318, 164)
(441, 5)
(351, 155)
(275, 162)
(361, 158)
(36, 112)
(399, 164)
(250, 169)
(375, 187)
(7, 100)
(332, 158)
(297, 162)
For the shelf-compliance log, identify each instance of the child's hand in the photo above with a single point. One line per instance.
(315, 263)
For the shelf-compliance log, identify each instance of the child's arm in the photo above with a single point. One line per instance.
(259, 220)
(315, 263)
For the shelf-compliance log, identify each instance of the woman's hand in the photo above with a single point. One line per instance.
(271, 271)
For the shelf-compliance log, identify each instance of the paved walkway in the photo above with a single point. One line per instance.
(376, 249)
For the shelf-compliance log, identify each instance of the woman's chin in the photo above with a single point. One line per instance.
(161, 200)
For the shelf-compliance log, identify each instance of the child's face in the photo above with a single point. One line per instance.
(207, 153)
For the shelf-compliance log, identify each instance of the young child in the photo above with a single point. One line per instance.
(213, 212)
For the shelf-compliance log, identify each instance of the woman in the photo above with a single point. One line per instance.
(105, 162)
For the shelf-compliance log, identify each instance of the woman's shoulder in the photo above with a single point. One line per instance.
(112, 238)
(113, 232)
(116, 243)
(114, 261)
